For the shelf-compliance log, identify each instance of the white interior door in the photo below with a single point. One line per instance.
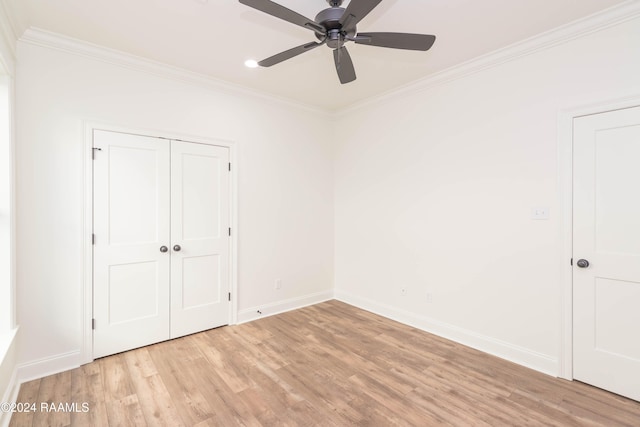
(199, 237)
(606, 304)
(131, 224)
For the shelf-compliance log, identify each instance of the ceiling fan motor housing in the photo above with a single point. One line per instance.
(330, 19)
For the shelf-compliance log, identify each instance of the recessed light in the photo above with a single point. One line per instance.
(251, 63)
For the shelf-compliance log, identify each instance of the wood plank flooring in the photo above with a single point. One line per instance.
(325, 365)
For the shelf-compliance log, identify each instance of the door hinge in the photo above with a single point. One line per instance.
(571, 261)
(229, 166)
(93, 152)
(93, 239)
(93, 323)
(229, 231)
(229, 296)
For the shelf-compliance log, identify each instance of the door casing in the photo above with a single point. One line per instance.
(565, 204)
(86, 339)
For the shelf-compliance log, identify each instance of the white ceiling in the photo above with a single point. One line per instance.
(215, 37)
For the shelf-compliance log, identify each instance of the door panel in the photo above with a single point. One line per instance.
(615, 309)
(131, 223)
(607, 234)
(200, 185)
(130, 303)
(201, 281)
(617, 153)
(133, 196)
(199, 225)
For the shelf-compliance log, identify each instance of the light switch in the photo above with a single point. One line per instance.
(539, 213)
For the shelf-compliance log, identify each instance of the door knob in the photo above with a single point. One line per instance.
(583, 263)
(163, 249)
(177, 248)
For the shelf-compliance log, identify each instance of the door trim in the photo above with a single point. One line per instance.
(86, 299)
(565, 204)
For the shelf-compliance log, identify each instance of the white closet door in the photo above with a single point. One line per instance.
(606, 277)
(131, 224)
(199, 237)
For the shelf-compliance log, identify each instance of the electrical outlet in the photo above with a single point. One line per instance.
(540, 213)
(278, 284)
(429, 298)
(403, 291)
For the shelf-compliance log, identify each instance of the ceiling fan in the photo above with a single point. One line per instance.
(334, 27)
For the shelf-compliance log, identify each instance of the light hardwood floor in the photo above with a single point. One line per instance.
(327, 365)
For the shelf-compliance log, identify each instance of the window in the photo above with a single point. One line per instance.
(6, 294)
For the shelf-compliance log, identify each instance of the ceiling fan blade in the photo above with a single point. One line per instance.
(357, 10)
(397, 40)
(288, 54)
(274, 9)
(344, 65)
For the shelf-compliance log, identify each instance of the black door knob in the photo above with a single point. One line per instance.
(177, 248)
(163, 249)
(583, 263)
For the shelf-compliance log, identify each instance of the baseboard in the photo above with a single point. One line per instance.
(10, 396)
(8, 373)
(513, 353)
(48, 366)
(257, 312)
(63, 362)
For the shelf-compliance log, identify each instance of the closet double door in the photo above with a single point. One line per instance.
(161, 240)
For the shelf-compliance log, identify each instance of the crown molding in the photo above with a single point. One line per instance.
(47, 39)
(610, 17)
(580, 28)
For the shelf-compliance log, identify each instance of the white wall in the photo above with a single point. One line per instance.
(433, 191)
(285, 186)
(8, 332)
(434, 188)
(7, 39)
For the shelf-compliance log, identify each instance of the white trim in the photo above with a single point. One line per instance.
(86, 346)
(47, 39)
(565, 190)
(271, 309)
(48, 366)
(599, 21)
(12, 202)
(520, 355)
(8, 372)
(86, 293)
(565, 204)
(9, 74)
(233, 217)
(10, 396)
